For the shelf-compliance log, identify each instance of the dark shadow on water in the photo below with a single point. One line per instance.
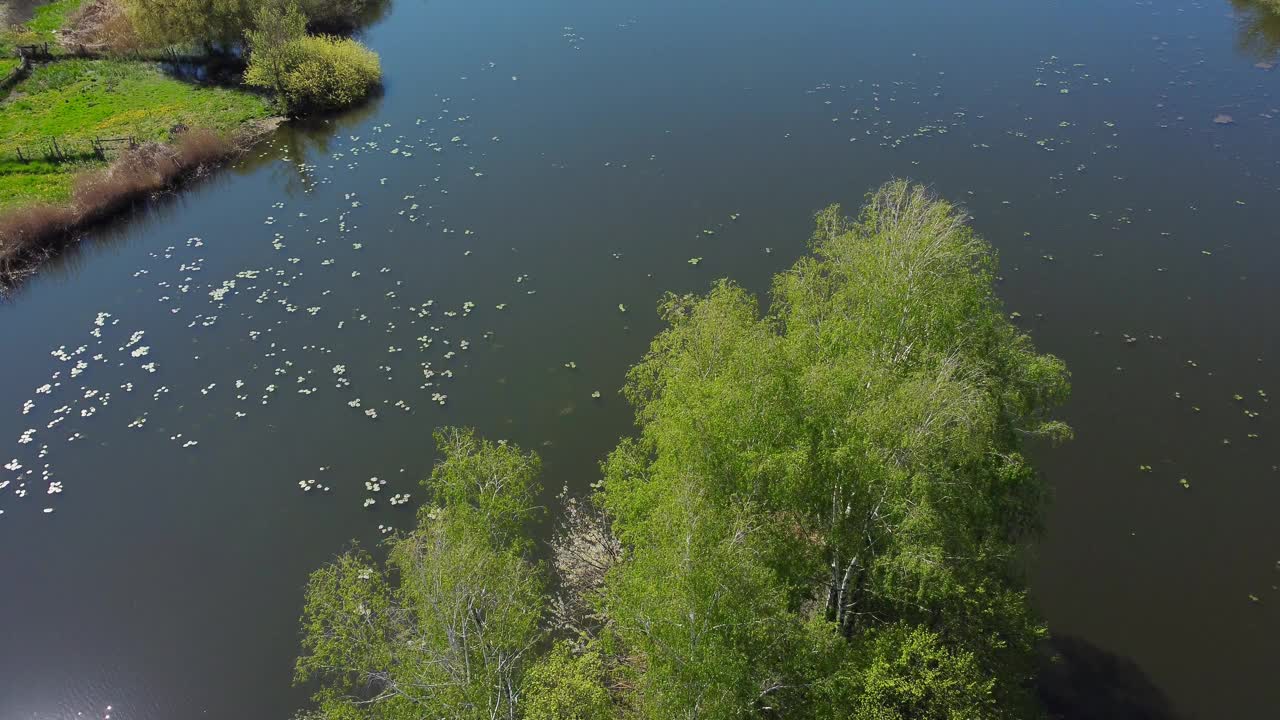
(312, 137)
(1080, 681)
(1258, 34)
(222, 70)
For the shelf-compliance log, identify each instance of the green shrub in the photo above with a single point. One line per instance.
(911, 673)
(213, 23)
(318, 72)
(563, 685)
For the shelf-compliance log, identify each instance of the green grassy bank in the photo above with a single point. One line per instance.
(93, 124)
(76, 101)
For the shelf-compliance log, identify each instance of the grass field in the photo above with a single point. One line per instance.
(50, 17)
(42, 27)
(80, 99)
(8, 55)
(77, 100)
(74, 101)
(23, 184)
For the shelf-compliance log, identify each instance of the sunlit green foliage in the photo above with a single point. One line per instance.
(901, 672)
(567, 685)
(855, 452)
(447, 628)
(317, 72)
(823, 517)
(698, 601)
(273, 44)
(161, 23)
(209, 23)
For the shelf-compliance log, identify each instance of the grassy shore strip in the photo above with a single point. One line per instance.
(76, 101)
(89, 125)
(33, 232)
(56, 177)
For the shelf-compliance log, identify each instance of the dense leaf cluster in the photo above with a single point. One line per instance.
(824, 514)
(161, 23)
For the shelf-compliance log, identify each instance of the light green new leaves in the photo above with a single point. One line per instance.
(867, 430)
(449, 629)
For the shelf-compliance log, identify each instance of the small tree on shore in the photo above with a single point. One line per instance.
(272, 42)
(207, 23)
(314, 72)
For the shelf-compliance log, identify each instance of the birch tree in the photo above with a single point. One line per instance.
(448, 627)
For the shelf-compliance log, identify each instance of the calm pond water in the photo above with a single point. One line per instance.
(534, 164)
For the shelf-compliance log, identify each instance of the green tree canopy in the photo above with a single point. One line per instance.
(567, 684)
(865, 434)
(824, 516)
(272, 45)
(161, 23)
(310, 71)
(448, 627)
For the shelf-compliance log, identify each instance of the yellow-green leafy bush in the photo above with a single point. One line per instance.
(317, 72)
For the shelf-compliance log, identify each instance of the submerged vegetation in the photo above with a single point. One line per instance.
(98, 94)
(824, 516)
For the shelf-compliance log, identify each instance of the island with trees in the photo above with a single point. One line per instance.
(825, 514)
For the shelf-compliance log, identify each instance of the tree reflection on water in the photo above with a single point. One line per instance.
(1259, 31)
(1080, 681)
